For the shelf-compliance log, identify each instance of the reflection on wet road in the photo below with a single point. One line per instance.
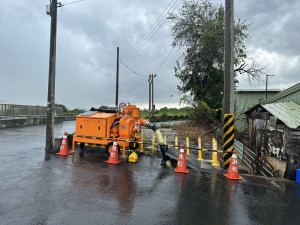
(83, 189)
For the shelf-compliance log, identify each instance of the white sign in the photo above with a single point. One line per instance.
(137, 125)
(122, 105)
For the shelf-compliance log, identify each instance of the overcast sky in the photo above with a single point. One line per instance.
(87, 36)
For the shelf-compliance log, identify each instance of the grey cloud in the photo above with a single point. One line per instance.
(88, 34)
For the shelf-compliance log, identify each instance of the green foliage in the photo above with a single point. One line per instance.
(199, 28)
(76, 111)
(65, 109)
(201, 113)
(165, 112)
(68, 111)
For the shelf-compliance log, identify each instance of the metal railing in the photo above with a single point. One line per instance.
(26, 110)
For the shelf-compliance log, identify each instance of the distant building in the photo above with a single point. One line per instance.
(273, 129)
(4, 102)
(245, 99)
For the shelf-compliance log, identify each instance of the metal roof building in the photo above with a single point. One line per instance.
(273, 128)
(290, 94)
(246, 98)
(287, 95)
(287, 112)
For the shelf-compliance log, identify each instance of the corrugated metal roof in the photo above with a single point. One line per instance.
(294, 90)
(282, 94)
(257, 90)
(287, 112)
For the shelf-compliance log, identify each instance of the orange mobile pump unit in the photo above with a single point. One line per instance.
(102, 126)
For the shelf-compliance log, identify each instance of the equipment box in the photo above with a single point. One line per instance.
(96, 125)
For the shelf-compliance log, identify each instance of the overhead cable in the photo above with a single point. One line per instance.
(126, 52)
(161, 65)
(69, 3)
(151, 33)
(136, 73)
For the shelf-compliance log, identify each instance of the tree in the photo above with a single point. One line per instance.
(199, 28)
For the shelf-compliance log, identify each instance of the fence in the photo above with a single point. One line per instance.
(26, 110)
(239, 147)
(259, 166)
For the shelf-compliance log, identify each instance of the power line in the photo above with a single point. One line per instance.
(165, 60)
(136, 73)
(162, 83)
(148, 29)
(69, 3)
(152, 33)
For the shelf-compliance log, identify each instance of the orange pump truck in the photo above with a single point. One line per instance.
(101, 126)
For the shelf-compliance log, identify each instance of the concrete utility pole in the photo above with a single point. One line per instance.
(228, 106)
(117, 80)
(267, 84)
(229, 58)
(153, 106)
(150, 81)
(51, 81)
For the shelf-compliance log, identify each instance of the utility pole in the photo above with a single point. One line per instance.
(117, 80)
(229, 59)
(153, 106)
(51, 80)
(267, 84)
(229, 83)
(150, 81)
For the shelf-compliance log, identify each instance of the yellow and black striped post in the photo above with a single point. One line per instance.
(228, 138)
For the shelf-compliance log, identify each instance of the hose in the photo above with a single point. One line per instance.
(163, 148)
(104, 110)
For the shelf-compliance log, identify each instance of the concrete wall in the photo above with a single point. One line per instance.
(7, 122)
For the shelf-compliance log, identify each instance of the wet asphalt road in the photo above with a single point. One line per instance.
(82, 189)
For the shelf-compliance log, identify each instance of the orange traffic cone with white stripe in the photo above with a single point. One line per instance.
(114, 154)
(181, 164)
(64, 147)
(233, 171)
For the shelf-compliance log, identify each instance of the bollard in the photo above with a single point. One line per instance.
(215, 154)
(153, 142)
(176, 143)
(200, 151)
(187, 146)
(141, 147)
(165, 140)
(135, 138)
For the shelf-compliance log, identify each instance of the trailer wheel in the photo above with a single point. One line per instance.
(108, 148)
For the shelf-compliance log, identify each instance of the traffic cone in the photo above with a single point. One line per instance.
(233, 171)
(114, 154)
(181, 164)
(64, 147)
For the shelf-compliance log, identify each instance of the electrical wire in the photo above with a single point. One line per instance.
(149, 28)
(69, 3)
(164, 60)
(152, 33)
(136, 73)
(162, 83)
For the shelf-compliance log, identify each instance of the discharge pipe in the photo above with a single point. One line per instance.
(163, 148)
(104, 110)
